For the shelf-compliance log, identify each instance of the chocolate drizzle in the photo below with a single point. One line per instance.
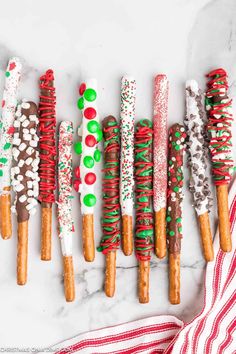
(25, 172)
(176, 146)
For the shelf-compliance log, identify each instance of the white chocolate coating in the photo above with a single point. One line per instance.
(127, 114)
(66, 225)
(9, 102)
(84, 188)
(160, 113)
(195, 128)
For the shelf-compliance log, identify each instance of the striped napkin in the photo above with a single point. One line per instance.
(213, 331)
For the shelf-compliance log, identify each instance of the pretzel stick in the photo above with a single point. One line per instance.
(219, 109)
(90, 135)
(111, 210)
(160, 106)
(12, 78)
(22, 252)
(25, 178)
(199, 182)
(174, 211)
(65, 221)
(127, 113)
(144, 216)
(47, 167)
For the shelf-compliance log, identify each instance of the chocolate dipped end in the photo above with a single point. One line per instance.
(176, 146)
(47, 128)
(21, 207)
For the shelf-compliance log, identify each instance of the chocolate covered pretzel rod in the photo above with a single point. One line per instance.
(144, 215)
(90, 135)
(111, 208)
(160, 108)
(47, 166)
(66, 225)
(220, 117)
(9, 102)
(176, 146)
(199, 182)
(25, 178)
(127, 113)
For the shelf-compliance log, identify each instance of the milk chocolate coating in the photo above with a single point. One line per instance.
(22, 212)
(176, 146)
(143, 190)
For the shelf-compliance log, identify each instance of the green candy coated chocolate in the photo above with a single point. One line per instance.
(88, 161)
(3, 159)
(168, 219)
(7, 146)
(1, 173)
(78, 147)
(80, 103)
(171, 233)
(90, 95)
(180, 229)
(176, 189)
(177, 147)
(97, 155)
(7, 74)
(178, 220)
(93, 126)
(89, 200)
(177, 134)
(99, 135)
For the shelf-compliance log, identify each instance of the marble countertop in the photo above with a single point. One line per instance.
(106, 39)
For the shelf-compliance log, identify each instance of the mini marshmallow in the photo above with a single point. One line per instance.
(21, 163)
(25, 105)
(22, 146)
(22, 198)
(29, 161)
(25, 123)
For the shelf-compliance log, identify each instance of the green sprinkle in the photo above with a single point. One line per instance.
(7, 146)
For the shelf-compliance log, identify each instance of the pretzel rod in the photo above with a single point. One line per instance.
(160, 114)
(144, 217)
(24, 178)
(66, 225)
(9, 102)
(220, 117)
(90, 135)
(176, 146)
(47, 166)
(199, 182)
(111, 209)
(127, 113)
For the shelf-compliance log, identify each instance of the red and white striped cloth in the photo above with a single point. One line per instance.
(213, 331)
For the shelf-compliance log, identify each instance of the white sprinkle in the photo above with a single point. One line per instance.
(20, 178)
(32, 131)
(29, 174)
(22, 118)
(27, 137)
(25, 131)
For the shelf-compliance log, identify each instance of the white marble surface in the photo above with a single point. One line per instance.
(106, 39)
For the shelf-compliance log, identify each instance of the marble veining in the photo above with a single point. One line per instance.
(106, 40)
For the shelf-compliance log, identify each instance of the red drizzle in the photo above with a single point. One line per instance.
(111, 208)
(222, 143)
(47, 126)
